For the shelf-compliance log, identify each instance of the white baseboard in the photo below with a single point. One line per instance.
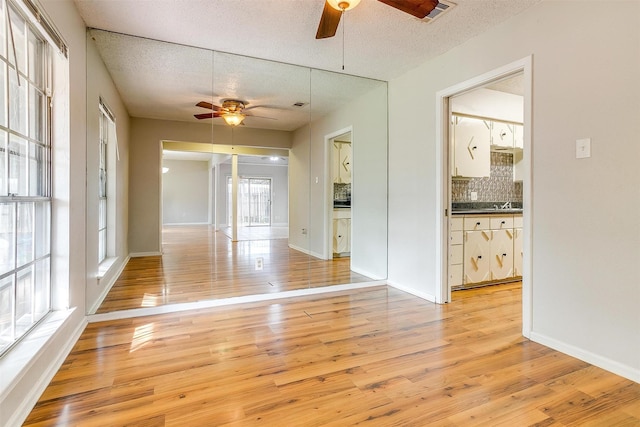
(589, 357)
(366, 273)
(307, 251)
(197, 305)
(51, 367)
(186, 223)
(107, 283)
(141, 254)
(423, 295)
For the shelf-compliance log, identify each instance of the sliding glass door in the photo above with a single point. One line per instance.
(254, 201)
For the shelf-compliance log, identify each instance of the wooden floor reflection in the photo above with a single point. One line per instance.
(201, 264)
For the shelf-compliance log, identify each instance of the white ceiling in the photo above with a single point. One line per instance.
(160, 80)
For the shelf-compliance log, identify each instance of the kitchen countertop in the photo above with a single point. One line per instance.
(486, 211)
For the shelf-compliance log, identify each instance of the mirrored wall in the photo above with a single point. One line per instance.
(295, 196)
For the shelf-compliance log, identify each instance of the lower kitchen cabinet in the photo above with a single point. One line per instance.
(517, 252)
(501, 254)
(456, 254)
(341, 231)
(477, 249)
(484, 249)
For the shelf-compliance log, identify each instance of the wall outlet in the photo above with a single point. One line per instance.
(304, 231)
(259, 263)
(474, 195)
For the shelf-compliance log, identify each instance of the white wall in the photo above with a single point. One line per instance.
(185, 192)
(279, 190)
(145, 159)
(585, 232)
(99, 84)
(367, 116)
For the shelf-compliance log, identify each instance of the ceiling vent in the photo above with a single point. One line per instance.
(442, 8)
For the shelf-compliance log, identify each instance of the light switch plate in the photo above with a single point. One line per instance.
(583, 148)
(474, 195)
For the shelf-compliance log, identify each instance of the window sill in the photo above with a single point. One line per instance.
(105, 266)
(20, 358)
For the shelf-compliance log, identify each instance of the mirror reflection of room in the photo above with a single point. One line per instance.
(236, 205)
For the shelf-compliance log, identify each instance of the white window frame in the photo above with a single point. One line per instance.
(25, 276)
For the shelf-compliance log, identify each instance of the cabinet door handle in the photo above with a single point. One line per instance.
(479, 256)
(477, 223)
(503, 222)
(504, 254)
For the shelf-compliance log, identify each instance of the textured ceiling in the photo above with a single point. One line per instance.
(161, 80)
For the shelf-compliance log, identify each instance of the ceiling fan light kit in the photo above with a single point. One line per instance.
(343, 5)
(233, 118)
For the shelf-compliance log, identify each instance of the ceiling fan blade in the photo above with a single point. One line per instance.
(208, 105)
(275, 107)
(417, 8)
(329, 22)
(206, 115)
(260, 117)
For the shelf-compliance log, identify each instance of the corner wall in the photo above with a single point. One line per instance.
(584, 213)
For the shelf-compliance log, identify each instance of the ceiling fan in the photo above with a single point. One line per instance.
(333, 10)
(232, 111)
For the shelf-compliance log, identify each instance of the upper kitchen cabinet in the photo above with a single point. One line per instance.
(342, 162)
(471, 147)
(502, 136)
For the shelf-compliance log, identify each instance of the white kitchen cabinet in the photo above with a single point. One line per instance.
(477, 252)
(518, 136)
(342, 153)
(456, 251)
(490, 248)
(502, 136)
(501, 254)
(471, 147)
(517, 252)
(341, 232)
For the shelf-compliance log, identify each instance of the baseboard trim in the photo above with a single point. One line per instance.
(365, 273)
(197, 305)
(423, 295)
(587, 356)
(306, 251)
(142, 254)
(28, 402)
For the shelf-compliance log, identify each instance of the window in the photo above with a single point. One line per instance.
(105, 123)
(25, 185)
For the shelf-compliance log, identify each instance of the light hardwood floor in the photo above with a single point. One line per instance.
(374, 356)
(201, 264)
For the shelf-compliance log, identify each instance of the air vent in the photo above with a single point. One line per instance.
(442, 8)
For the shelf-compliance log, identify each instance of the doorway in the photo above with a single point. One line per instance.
(445, 152)
(340, 160)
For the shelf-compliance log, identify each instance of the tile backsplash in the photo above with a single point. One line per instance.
(341, 191)
(498, 187)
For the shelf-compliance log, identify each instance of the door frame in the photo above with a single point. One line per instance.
(328, 188)
(443, 181)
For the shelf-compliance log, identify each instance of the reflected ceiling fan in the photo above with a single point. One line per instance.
(333, 10)
(232, 111)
